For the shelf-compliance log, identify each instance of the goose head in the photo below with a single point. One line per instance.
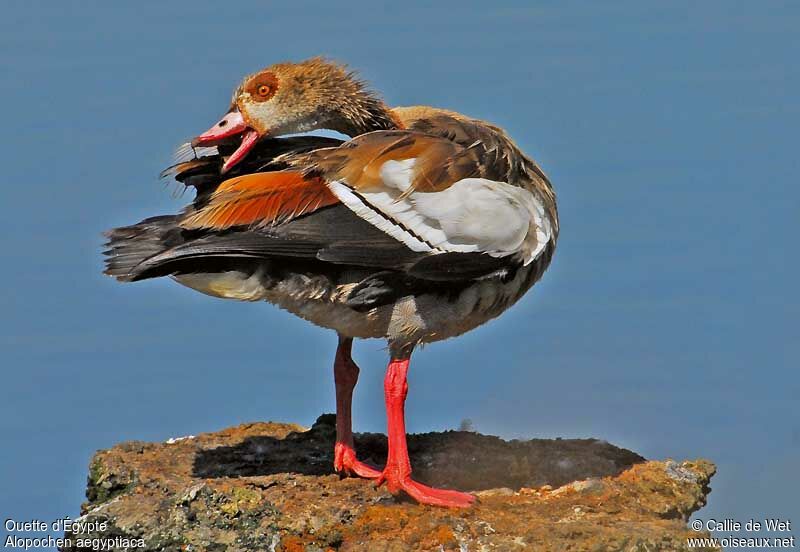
(290, 98)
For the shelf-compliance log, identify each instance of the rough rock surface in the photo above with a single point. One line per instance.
(271, 487)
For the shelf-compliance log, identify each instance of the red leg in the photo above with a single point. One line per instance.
(345, 374)
(397, 473)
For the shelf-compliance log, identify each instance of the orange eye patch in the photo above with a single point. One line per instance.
(262, 86)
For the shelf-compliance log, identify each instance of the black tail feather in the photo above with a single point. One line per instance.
(129, 247)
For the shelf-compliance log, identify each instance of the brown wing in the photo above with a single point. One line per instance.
(439, 193)
(439, 162)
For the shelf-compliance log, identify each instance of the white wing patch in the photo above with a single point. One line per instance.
(472, 215)
(362, 207)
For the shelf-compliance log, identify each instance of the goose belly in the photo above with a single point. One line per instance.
(422, 318)
(313, 298)
(431, 317)
(225, 285)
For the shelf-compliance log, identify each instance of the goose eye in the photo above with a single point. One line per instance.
(264, 90)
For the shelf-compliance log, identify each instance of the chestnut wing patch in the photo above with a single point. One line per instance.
(260, 200)
(438, 162)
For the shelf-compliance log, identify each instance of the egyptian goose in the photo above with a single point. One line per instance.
(423, 226)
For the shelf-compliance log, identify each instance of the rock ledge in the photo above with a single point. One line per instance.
(270, 487)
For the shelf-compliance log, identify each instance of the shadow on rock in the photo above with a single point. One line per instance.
(455, 459)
